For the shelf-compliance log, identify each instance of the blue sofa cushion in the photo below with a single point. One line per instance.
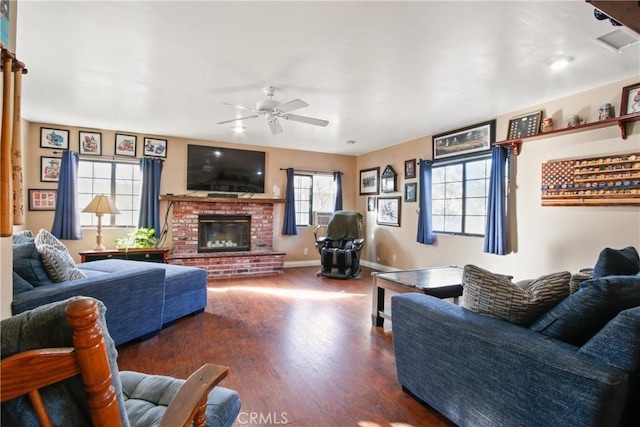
(520, 303)
(617, 262)
(583, 314)
(20, 285)
(57, 260)
(28, 265)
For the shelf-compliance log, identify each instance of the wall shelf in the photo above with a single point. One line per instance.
(621, 122)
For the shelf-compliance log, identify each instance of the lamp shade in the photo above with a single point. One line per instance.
(101, 205)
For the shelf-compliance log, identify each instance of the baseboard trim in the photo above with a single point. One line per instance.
(376, 266)
(292, 264)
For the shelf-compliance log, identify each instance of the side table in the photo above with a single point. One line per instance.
(137, 254)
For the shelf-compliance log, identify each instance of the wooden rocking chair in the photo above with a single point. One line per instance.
(35, 371)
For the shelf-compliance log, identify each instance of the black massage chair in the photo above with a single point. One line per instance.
(340, 247)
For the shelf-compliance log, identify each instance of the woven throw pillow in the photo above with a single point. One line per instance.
(57, 261)
(520, 303)
(615, 262)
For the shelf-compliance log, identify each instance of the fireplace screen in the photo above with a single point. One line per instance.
(224, 233)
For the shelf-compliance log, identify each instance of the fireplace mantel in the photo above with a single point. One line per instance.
(257, 200)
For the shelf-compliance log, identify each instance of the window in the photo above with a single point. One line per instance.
(313, 193)
(120, 181)
(460, 193)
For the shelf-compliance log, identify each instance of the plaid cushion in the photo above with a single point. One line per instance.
(520, 303)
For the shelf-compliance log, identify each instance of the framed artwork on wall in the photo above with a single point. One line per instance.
(42, 200)
(155, 147)
(54, 138)
(410, 190)
(388, 211)
(410, 169)
(125, 145)
(630, 99)
(369, 181)
(371, 204)
(50, 169)
(475, 139)
(90, 143)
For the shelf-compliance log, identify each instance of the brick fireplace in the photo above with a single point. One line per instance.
(215, 252)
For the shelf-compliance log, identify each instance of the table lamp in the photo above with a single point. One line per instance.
(101, 205)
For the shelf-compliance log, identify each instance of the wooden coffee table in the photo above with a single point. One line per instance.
(440, 282)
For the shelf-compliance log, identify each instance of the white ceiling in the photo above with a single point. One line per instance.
(381, 72)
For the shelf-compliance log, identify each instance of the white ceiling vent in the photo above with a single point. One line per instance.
(617, 40)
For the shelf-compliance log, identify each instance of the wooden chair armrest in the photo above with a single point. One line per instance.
(190, 401)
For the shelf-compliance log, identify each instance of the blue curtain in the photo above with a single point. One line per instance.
(149, 216)
(337, 178)
(495, 236)
(425, 221)
(289, 226)
(66, 220)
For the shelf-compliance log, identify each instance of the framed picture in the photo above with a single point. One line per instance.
(42, 200)
(371, 204)
(155, 147)
(125, 145)
(525, 125)
(50, 169)
(630, 99)
(54, 138)
(388, 211)
(410, 192)
(465, 141)
(369, 181)
(90, 143)
(409, 169)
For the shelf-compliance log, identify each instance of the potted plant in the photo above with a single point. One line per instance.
(138, 238)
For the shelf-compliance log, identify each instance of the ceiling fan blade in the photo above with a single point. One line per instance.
(235, 120)
(303, 119)
(238, 106)
(275, 127)
(291, 105)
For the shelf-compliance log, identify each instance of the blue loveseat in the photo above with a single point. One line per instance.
(576, 365)
(141, 297)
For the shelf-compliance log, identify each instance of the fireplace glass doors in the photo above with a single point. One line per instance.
(224, 233)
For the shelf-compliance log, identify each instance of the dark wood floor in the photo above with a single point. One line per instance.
(301, 351)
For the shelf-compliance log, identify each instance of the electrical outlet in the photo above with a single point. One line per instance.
(394, 257)
(306, 251)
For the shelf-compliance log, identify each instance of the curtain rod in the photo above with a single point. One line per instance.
(105, 158)
(309, 171)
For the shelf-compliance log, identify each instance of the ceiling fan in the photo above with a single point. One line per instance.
(272, 110)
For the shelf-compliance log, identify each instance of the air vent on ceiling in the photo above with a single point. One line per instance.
(617, 40)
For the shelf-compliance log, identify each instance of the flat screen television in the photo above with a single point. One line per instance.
(226, 170)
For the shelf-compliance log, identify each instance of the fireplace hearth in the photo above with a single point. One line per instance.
(224, 233)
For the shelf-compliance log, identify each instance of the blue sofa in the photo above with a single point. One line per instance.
(141, 297)
(562, 370)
